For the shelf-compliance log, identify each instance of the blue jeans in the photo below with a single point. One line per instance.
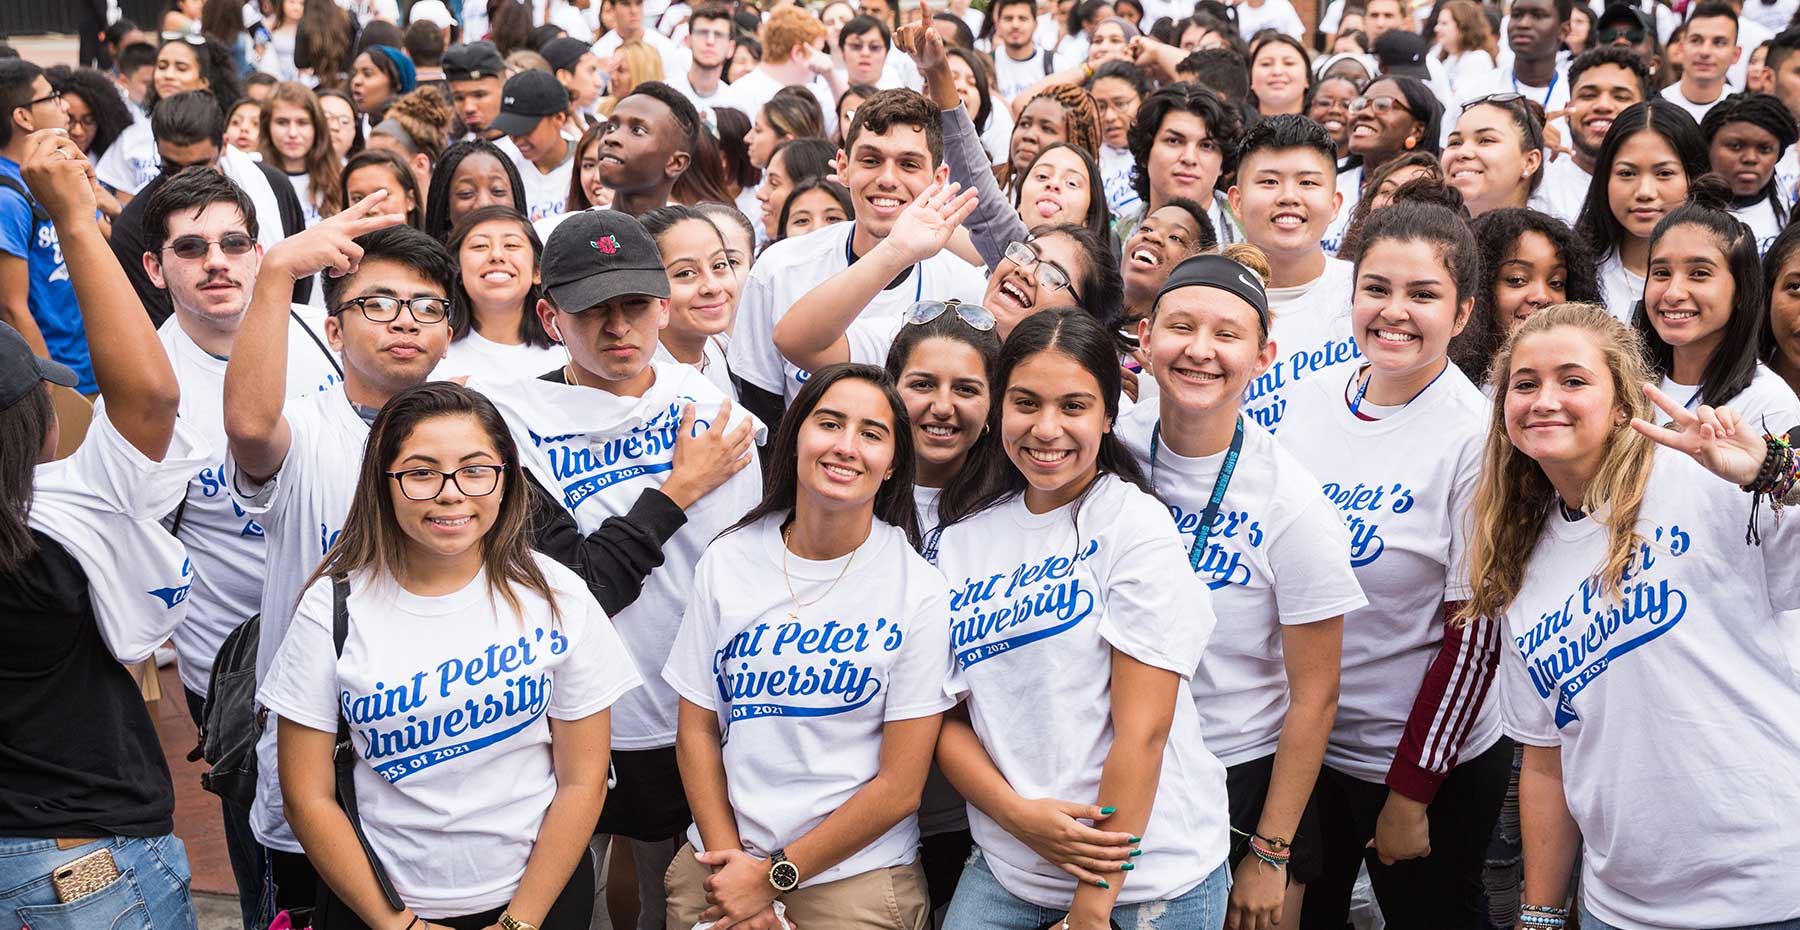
(1590, 922)
(151, 892)
(981, 903)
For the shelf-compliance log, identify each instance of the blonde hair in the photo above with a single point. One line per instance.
(642, 63)
(1513, 497)
(787, 29)
(1250, 257)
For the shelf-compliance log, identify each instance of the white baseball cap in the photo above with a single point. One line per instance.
(432, 11)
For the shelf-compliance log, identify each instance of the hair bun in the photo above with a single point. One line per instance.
(1710, 191)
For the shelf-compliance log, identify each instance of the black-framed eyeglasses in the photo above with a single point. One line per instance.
(53, 95)
(383, 309)
(1632, 34)
(1382, 105)
(193, 247)
(1049, 274)
(423, 484)
(1506, 99)
(924, 311)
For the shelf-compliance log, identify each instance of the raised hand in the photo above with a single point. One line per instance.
(60, 177)
(923, 42)
(926, 225)
(330, 246)
(1716, 437)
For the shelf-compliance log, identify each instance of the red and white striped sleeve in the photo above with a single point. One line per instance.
(1449, 701)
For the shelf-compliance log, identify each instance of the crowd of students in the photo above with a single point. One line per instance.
(499, 410)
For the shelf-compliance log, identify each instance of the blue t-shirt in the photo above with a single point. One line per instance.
(52, 295)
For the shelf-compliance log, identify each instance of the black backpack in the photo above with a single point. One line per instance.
(230, 721)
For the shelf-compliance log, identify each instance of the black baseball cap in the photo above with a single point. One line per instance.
(563, 52)
(1626, 15)
(596, 255)
(473, 61)
(528, 97)
(21, 371)
(1402, 52)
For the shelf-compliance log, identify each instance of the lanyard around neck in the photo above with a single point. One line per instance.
(1554, 76)
(1197, 552)
(850, 258)
(1362, 387)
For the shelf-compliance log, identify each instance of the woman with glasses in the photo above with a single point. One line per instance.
(340, 118)
(1058, 266)
(1394, 116)
(811, 665)
(1329, 105)
(494, 325)
(1495, 155)
(471, 677)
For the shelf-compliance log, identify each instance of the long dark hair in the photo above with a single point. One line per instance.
(403, 173)
(462, 308)
(781, 482)
(1733, 363)
(984, 101)
(1102, 287)
(216, 67)
(372, 539)
(1783, 249)
(1497, 232)
(963, 486)
(1074, 333)
(837, 191)
(22, 429)
(437, 202)
(704, 179)
(578, 195)
(1597, 226)
(733, 127)
(1099, 215)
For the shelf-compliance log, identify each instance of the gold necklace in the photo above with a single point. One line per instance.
(795, 613)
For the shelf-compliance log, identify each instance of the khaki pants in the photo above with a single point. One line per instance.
(884, 899)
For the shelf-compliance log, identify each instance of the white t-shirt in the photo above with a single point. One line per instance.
(1674, 95)
(747, 95)
(679, 81)
(449, 701)
(1564, 189)
(103, 503)
(1760, 217)
(1466, 68)
(1673, 707)
(225, 543)
(675, 59)
(802, 694)
(1620, 289)
(1116, 166)
(1751, 33)
(1787, 173)
(475, 354)
(1771, 14)
(545, 194)
(302, 184)
(713, 363)
(596, 453)
(1312, 332)
(133, 162)
(302, 510)
(1349, 186)
(1278, 555)
(1014, 76)
(1278, 15)
(1404, 483)
(996, 136)
(1767, 395)
(1038, 602)
(790, 268)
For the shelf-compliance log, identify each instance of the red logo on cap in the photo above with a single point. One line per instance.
(607, 245)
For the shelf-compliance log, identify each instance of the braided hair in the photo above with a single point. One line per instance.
(1081, 126)
(1765, 112)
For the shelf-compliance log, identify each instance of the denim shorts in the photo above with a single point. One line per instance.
(1590, 922)
(981, 903)
(151, 892)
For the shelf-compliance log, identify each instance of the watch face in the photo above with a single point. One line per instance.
(784, 875)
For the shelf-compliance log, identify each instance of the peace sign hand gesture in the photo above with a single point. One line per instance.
(926, 225)
(1716, 437)
(330, 246)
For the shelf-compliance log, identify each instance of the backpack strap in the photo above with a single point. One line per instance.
(344, 756)
(38, 213)
(326, 351)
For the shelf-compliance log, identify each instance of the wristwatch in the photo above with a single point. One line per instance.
(784, 875)
(509, 922)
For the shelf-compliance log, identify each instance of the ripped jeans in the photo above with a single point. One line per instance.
(981, 903)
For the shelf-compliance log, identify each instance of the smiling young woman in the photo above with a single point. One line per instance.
(494, 325)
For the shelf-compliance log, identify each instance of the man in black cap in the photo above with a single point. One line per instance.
(534, 116)
(577, 69)
(476, 72)
(1625, 25)
(618, 433)
(647, 145)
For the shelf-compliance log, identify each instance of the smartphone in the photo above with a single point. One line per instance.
(86, 875)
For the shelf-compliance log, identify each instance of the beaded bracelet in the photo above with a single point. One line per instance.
(1539, 915)
(1775, 480)
(1277, 860)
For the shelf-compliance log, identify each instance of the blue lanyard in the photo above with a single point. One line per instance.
(1198, 550)
(1362, 388)
(1554, 75)
(919, 274)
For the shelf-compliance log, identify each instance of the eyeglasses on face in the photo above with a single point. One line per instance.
(1382, 105)
(1049, 274)
(195, 247)
(925, 311)
(423, 484)
(55, 95)
(387, 309)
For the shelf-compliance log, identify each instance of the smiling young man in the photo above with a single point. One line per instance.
(200, 248)
(646, 146)
(1709, 48)
(534, 117)
(1286, 195)
(892, 151)
(604, 439)
(1603, 81)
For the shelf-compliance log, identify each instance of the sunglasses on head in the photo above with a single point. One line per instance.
(188, 37)
(1499, 100)
(925, 311)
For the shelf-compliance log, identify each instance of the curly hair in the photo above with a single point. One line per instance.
(424, 118)
(1081, 125)
(1497, 235)
(1222, 123)
(111, 116)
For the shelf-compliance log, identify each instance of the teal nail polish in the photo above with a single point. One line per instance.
(1135, 853)
(1107, 811)
(1127, 867)
(1137, 839)
(1102, 883)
